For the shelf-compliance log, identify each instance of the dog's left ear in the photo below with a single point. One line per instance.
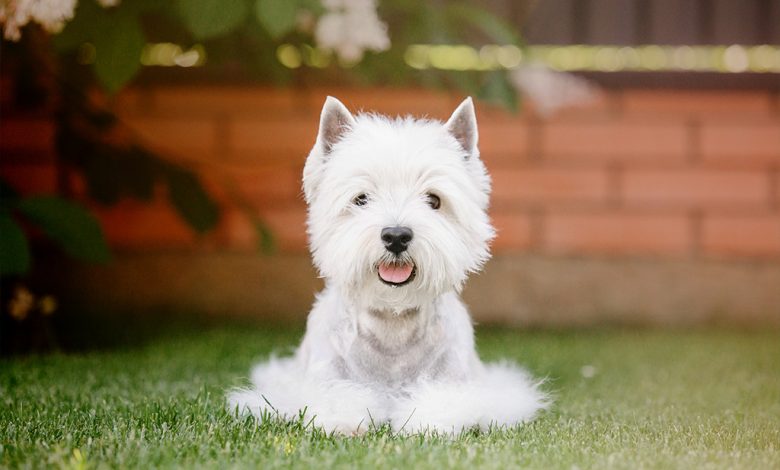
(463, 126)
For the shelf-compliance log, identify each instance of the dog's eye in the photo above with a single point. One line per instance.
(433, 201)
(360, 199)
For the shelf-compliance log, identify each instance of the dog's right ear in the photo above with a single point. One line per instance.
(463, 126)
(335, 120)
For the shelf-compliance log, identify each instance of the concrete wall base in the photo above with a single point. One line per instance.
(523, 290)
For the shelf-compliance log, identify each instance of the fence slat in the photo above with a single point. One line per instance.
(632, 22)
(675, 22)
(735, 22)
(612, 22)
(551, 22)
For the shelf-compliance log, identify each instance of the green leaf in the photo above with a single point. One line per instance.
(89, 16)
(138, 173)
(191, 200)
(118, 46)
(314, 6)
(498, 90)
(70, 225)
(276, 16)
(266, 239)
(209, 18)
(8, 196)
(467, 82)
(78, 31)
(14, 251)
(103, 177)
(492, 26)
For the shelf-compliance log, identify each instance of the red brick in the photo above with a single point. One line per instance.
(237, 231)
(776, 188)
(30, 179)
(288, 227)
(135, 224)
(183, 137)
(292, 139)
(514, 231)
(503, 142)
(263, 186)
(398, 101)
(615, 140)
(491, 112)
(696, 187)
(227, 100)
(77, 184)
(696, 103)
(613, 233)
(131, 101)
(27, 135)
(742, 142)
(741, 235)
(270, 140)
(601, 105)
(549, 185)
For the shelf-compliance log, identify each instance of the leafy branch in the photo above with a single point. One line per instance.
(102, 42)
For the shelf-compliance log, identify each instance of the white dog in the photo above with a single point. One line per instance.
(397, 220)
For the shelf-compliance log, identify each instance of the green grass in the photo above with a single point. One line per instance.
(657, 399)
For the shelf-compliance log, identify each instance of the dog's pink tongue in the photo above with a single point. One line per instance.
(395, 273)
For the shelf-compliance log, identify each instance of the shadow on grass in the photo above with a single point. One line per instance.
(85, 330)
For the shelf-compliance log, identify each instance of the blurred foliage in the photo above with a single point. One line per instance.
(241, 38)
(114, 168)
(66, 223)
(276, 16)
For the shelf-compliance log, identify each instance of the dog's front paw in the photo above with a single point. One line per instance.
(502, 395)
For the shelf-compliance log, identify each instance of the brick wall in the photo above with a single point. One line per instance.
(638, 173)
(644, 207)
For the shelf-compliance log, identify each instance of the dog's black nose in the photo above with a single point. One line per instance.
(396, 239)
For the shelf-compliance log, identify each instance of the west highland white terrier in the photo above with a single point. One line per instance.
(397, 220)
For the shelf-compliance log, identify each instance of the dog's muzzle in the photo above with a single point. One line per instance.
(400, 271)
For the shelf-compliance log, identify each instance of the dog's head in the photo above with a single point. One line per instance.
(397, 207)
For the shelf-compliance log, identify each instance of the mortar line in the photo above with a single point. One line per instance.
(695, 217)
(774, 191)
(693, 147)
(537, 216)
(615, 189)
(222, 135)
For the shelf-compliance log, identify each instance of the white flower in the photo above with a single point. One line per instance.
(51, 14)
(551, 90)
(9, 21)
(350, 27)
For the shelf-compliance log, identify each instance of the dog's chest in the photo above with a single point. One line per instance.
(396, 352)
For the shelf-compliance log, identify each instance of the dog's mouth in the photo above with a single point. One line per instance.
(396, 273)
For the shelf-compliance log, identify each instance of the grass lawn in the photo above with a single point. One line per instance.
(624, 399)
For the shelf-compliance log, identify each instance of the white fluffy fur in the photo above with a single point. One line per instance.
(375, 353)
